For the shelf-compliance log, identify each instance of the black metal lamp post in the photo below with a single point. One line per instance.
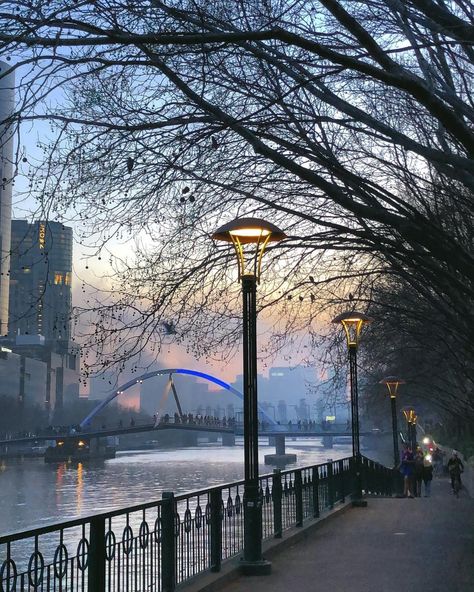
(413, 431)
(411, 418)
(256, 233)
(352, 323)
(392, 383)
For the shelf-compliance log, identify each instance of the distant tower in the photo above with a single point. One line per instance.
(40, 280)
(7, 106)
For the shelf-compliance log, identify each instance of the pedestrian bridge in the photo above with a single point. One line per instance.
(212, 426)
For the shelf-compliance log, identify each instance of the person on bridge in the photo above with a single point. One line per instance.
(455, 468)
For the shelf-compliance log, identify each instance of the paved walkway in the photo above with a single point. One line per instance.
(393, 545)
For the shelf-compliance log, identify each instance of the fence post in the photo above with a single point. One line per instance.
(168, 542)
(365, 475)
(372, 478)
(277, 498)
(389, 481)
(216, 529)
(342, 481)
(330, 485)
(352, 470)
(96, 566)
(315, 482)
(299, 497)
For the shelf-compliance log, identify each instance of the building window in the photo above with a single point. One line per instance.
(67, 278)
(58, 278)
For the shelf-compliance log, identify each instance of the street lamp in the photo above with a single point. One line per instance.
(392, 383)
(352, 323)
(250, 237)
(411, 418)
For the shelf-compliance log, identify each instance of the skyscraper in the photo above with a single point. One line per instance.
(40, 280)
(6, 173)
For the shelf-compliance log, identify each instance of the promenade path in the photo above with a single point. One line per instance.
(393, 545)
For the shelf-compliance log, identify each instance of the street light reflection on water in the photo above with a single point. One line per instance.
(35, 493)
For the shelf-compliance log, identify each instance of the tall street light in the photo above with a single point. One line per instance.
(392, 383)
(352, 323)
(250, 237)
(411, 418)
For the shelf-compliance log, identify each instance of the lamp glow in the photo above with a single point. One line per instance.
(352, 322)
(244, 231)
(392, 383)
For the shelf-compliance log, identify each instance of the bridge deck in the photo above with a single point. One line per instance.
(197, 427)
(393, 545)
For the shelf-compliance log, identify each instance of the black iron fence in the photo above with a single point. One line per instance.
(159, 545)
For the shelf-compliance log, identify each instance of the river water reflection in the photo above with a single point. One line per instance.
(34, 493)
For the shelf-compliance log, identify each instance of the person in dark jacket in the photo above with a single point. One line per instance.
(427, 475)
(455, 468)
(418, 472)
(406, 469)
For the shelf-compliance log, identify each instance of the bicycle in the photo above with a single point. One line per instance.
(457, 485)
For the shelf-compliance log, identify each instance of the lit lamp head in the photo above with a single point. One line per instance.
(392, 383)
(249, 231)
(352, 321)
(410, 415)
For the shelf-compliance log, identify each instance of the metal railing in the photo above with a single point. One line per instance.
(159, 545)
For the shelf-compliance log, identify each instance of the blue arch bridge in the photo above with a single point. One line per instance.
(85, 440)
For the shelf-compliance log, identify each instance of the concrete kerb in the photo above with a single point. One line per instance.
(213, 581)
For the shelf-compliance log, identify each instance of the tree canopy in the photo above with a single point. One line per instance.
(349, 124)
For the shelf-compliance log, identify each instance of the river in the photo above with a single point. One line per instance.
(34, 493)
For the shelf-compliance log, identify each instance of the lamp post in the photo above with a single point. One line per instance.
(392, 383)
(250, 236)
(413, 431)
(411, 418)
(352, 323)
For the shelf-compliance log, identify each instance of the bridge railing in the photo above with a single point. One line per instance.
(159, 545)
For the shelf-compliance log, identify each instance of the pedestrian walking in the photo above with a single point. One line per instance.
(427, 475)
(437, 462)
(455, 468)
(418, 472)
(406, 469)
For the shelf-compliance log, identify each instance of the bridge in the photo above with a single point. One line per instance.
(228, 430)
(117, 431)
(288, 431)
(170, 386)
(277, 433)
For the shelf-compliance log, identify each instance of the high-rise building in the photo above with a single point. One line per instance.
(6, 178)
(40, 280)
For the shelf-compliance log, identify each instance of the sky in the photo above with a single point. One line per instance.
(89, 271)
